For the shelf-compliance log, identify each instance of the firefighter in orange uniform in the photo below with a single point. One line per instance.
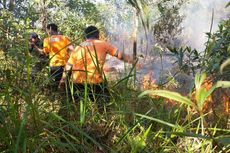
(58, 47)
(86, 66)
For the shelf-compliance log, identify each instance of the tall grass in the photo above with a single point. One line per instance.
(31, 121)
(209, 139)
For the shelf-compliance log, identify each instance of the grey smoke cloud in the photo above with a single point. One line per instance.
(197, 21)
(198, 15)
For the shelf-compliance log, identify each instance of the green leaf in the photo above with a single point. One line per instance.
(20, 136)
(189, 134)
(58, 117)
(223, 84)
(82, 112)
(199, 79)
(228, 4)
(209, 92)
(227, 62)
(160, 121)
(223, 140)
(202, 78)
(201, 98)
(204, 94)
(168, 94)
(146, 133)
(228, 50)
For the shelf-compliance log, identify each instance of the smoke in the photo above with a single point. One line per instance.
(197, 22)
(198, 19)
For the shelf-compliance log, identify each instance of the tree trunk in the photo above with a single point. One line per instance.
(4, 4)
(135, 42)
(43, 17)
(11, 5)
(135, 35)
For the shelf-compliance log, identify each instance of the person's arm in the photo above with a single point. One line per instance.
(119, 54)
(124, 57)
(66, 72)
(70, 49)
(31, 46)
(129, 59)
(68, 68)
(39, 50)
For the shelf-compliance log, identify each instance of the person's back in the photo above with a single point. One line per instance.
(86, 66)
(90, 57)
(58, 48)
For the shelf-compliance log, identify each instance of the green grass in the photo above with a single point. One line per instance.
(30, 120)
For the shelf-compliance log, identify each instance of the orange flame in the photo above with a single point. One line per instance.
(207, 84)
(148, 82)
(226, 103)
(218, 97)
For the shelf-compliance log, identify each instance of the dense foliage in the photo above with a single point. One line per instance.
(168, 27)
(218, 48)
(34, 119)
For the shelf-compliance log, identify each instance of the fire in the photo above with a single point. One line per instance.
(147, 82)
(226, 103)
(222, 97)
(219, 98)
(208, 83)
